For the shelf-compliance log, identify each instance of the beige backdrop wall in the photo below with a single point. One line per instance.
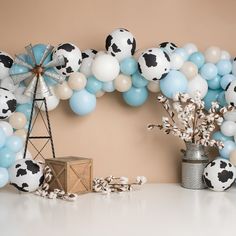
(115, 135)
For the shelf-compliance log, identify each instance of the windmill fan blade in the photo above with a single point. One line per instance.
(56, 77)
(17, 78)
(29, 50)
(19, 61)
(29, 91)
(47, 51)
(58, 61)
(43, 89)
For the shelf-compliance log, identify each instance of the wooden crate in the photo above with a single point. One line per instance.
(71, 174)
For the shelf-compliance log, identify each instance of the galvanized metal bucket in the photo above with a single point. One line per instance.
(193, 163)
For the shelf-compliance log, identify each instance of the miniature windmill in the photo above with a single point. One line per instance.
(38, 90)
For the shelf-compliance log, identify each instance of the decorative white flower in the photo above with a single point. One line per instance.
(141, 179)
(124, 180)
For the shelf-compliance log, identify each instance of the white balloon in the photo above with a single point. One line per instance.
(213, 54)
(228, 128)
(87, 60)
(20, 154)
(190, 48)
(100, 94)
(105, 67)
(230, 115)
(197, 84)
(176, 61)
(189, 69)
(7, 128)
(20, 97)
(154, 87)
(225, 55)
(8, 84)
(77, 81)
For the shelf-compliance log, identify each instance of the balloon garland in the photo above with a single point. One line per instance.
(90, 74)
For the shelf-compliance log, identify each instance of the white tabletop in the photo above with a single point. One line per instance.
(155, 209)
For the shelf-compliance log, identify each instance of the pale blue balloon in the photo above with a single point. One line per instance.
(211, 96)
(108, 87)
(2, 138)
(225, 80)
(7, 157)
(138, 80)
(25, 109)
(220, 137)
(93, 85)
(229, 146)
(214, 83)
(198, 59)
(183, 53)
(82, 102)
(174, 82)
(224, 67)
(14, 143)
(135, 96)
(38, 50)
(208, 71)
(4, 177)
(221, 99)
(128, 66)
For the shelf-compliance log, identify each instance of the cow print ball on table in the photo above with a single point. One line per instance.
(6, 62)
(72, 56)
(120, 44)
(230, 93)
(154, 64)
(219, 175)
(26, 175)
(87, 60)
(168, 47)
(7, 103)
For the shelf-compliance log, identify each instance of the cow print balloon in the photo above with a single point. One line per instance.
(120, 44)
(26, 175)
(6, 62)
(230, 93)
(87, 60)
(72, 56)
(219, 175)
(7, 103)
(154, 64)
(168, 47)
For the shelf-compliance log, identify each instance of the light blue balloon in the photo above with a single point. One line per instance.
(82, 102)
(198, 59)
(174, 82)
(220, 137)
(2, 138)
(208, 71)
(221, 99)
(4, 177)
(38, 50)
(138, 80)
(128, 66)
(135, 96)
(183, 53)
(225, 80)
(224, 67)
(25, 109)
(108, 87)
(14, 143)
(7, 157)
(93, 85)
(229, 146)
(214, 83)
(211, 96)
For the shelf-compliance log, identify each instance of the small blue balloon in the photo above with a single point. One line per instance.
(174, 82)
(224, 67)
(220, 137)
(221, 99)
(4, 177)
(2, 138)
(183, 53)
(211, 96)
(208, 71)
(138, 80)
(14, 143)
(39, 50)
(128, 66)
(108, 86)
(135, 96)
(25, 109)
(225, 80)
(229, 146)
(93, 85)
(214, 83)
(198, 59)
(82, 102)
(7, 157)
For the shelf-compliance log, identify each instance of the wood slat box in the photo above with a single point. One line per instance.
(71, 174)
